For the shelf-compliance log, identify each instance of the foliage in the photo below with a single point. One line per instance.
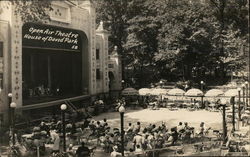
(184, 38)
(177, 40)
(141, 42)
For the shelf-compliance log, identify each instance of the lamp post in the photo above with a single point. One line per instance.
(122, 111)
(223, 104)
(232, 101)
(239, 107)
(63, 108)
(37, 144)
(247, 96)
(9, 101)
(161, 83)
(202, 86)
(243, 94)
(123, 84)
(13, 106)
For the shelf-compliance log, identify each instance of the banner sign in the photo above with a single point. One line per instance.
(46, 36)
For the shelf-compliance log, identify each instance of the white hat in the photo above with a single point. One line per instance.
(115, 148)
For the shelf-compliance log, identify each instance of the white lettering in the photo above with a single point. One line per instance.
(34, 30)
(33, 37)
(47, 31)
(55, 39)
(69, 41)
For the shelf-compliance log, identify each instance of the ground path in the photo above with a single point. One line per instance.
(171, 118)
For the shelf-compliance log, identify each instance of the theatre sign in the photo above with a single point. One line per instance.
(50, 37)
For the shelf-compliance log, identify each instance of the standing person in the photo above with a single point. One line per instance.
(129, 132)
(56, 141)
(118, 104)
(82, 151)
(137, 128)
(138, 140)
(101, 104)
(130, 128)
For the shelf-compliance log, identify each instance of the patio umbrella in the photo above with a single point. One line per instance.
(129, 91)
(144, 91)
(176, 92)
(214, 93)
(194, 92)
(158, 91)
(231, 92)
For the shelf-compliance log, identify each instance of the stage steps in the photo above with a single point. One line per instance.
(71, 105)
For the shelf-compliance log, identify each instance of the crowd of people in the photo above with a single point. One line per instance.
(138, 139)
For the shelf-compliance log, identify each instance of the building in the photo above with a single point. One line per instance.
(59, 60)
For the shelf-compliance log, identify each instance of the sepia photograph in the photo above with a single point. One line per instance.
(124, 78)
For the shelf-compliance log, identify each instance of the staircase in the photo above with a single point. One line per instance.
(71, 106)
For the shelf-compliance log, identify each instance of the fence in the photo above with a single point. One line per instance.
(198, 149)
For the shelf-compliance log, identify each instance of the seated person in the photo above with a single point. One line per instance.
(186, 127)
(169, 141)
(201, 130)
(115, 152)
(82, 151)
(138, 150)
(180, 128)
(172, 138)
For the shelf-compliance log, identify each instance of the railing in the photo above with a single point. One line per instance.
(52, 103)
(211, 148)
(71, 105)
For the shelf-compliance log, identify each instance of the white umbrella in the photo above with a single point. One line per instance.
(214, 93)
(130, 91)
(194, 92)
(176, 92)
(158, 91)
(231, 92)
(144, 91)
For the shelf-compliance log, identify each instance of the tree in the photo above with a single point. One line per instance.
(185, 37)
(141, 42)
(232, 16)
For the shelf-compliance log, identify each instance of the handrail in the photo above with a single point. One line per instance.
(71, 105)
